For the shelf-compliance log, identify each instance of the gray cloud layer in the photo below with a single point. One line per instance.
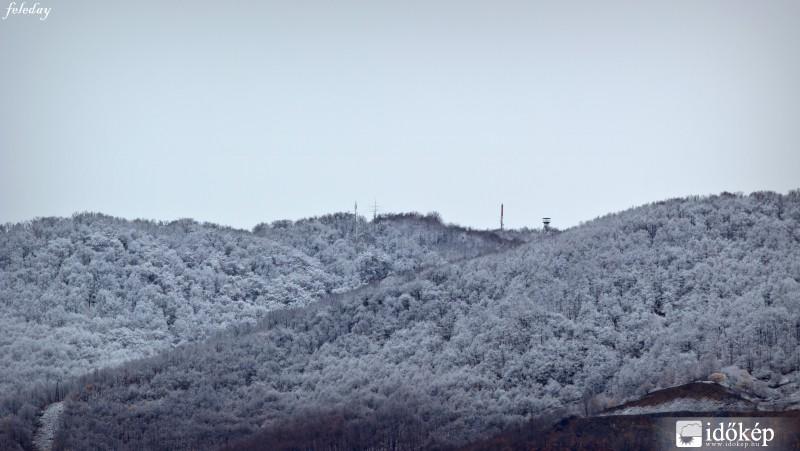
(241, 112)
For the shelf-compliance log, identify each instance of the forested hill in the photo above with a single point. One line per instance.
(389, 243)
(86, 292)
(570, 322)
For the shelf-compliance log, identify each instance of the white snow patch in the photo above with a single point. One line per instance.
(48, 425)
(681, 405)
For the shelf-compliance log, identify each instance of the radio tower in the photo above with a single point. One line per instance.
(501, 216)
(355, 226)
(355, 218)
(374, 211)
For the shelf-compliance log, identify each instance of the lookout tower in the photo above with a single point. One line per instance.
(546, 222)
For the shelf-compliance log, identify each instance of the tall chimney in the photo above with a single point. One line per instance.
(501, 216)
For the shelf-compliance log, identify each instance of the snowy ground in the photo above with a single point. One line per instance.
(684, 405)
(48, 425)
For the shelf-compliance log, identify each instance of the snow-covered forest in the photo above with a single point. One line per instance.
(398, 333)
(91, 291)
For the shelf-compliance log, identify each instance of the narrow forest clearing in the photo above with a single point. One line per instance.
(48, 425)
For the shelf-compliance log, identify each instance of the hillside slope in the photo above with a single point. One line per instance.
(651, 297)
(91, 291)
(83, 293)
(648, 423)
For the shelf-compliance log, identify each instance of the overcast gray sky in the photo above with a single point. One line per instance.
(244, 112)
